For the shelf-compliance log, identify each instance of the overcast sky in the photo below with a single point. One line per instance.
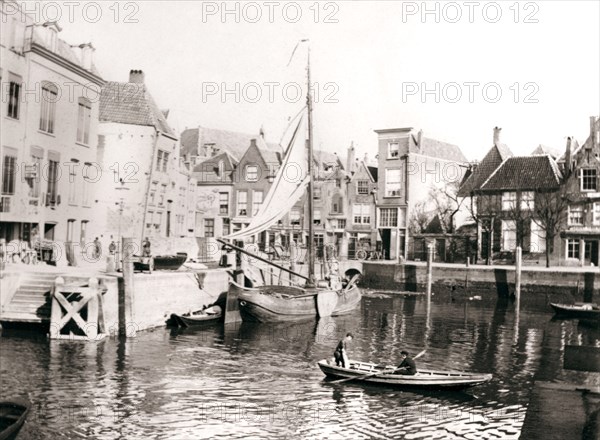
(373, 58)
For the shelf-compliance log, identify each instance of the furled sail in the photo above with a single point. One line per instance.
(289, 185)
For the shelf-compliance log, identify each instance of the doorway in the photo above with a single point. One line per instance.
(386, 243)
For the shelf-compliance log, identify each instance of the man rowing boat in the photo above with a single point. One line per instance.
(407, 366)
(341, 353)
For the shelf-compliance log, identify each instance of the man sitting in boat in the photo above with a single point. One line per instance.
(407, 366)
(341, 351)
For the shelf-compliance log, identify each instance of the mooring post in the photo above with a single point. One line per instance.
(429, 271)
(127, 297)
(518, 262)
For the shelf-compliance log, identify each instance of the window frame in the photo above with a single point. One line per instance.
(393, 153)
(390, 184)
(48, 108)
(362, 187)
(239, 203)
(84, 118)
(254, 173)
(591, 179)
(579, 209)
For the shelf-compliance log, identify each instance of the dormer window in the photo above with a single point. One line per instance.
(251, 173)
(221, 168)
(589, 179)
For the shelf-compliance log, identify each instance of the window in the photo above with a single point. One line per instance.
(341, 223)
(361, 213)
(393, 150)
(82, 232)
(84, 117)
(32, 173)
(152, 195)
(596, 219)
(48, 108)
(537, 242)
(316, 193)
(509, 235)
(527, 200)
(338, 183)
(257, 199)
(52, 196)
(251, 173)
(589, 180)
(576, 215)
(162, 159)
(226, 226)
(572, 248)
(149, 219)
(221, 169)
(388, 218)
(157, 221)
(509, 200)
(9, 171)
(72, 185)
(295, 216)
(161, 197)
(393, 182)
(362, 187)
(70, 224)
(14, 96)
(337, 207)
(242, 203)
(209, 227)
(224, 203)
(317, 217)
(85, 193)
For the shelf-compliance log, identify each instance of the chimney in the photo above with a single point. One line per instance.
(350, 158)
(87, 55)
(366, 159)
(568, 157)
(420, 139)
(253, 142)
(262, 132)
(136, 76)
(497, 135)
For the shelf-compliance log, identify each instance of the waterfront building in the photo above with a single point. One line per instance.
(362, 212)
(580, 235)
(49, 112)
(145, 191)
(410, 166)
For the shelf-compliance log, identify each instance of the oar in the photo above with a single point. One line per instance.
(375, 374)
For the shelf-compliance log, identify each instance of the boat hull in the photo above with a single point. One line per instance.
(195, 320)
(587, 312)
(266, 304)
(426, 379)
(12, 416)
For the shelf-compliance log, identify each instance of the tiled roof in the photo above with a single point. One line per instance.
(544, 149)
(438, 149)
(131, 103)
(231, 141)
(373, 171)
(524, 173)
(206, 171)
(492, 160)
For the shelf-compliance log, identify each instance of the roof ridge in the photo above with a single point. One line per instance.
(495, 171)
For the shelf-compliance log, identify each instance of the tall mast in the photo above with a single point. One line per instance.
(311, 233)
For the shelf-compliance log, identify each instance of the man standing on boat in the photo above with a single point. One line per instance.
(341, 351)
(407, 366)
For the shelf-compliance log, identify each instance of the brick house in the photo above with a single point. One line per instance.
(580, 237)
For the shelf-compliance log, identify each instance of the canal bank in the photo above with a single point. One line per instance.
(566, 284)
(27, 295)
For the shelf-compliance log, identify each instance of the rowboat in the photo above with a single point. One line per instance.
(578, 311)
(374, 374)
(287, 303)
(199, 317)
(12, 416)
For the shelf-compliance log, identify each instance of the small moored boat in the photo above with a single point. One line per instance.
(12, 416)
(579, 311)
(200, 317)
(375, 374)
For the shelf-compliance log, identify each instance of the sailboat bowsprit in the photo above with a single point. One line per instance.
(316, 298)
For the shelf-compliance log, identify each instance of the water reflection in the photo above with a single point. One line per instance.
(261, 380)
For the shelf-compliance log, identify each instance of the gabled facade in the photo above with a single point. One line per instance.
(144, 192)
(362, 212)
(410, 166)
(49, 118)
(580, 238)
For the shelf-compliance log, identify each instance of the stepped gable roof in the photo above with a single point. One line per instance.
(233, 142)
(524, 173)
(131, 103)
(492, 160)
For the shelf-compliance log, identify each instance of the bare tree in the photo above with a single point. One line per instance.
(520, 212)
(446, 204)
(419, 218)
(482, 209)
(549, 209)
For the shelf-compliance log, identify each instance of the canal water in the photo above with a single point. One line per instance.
(262, 381)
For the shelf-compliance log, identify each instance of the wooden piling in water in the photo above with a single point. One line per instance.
(126, 295)
(518, 264)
